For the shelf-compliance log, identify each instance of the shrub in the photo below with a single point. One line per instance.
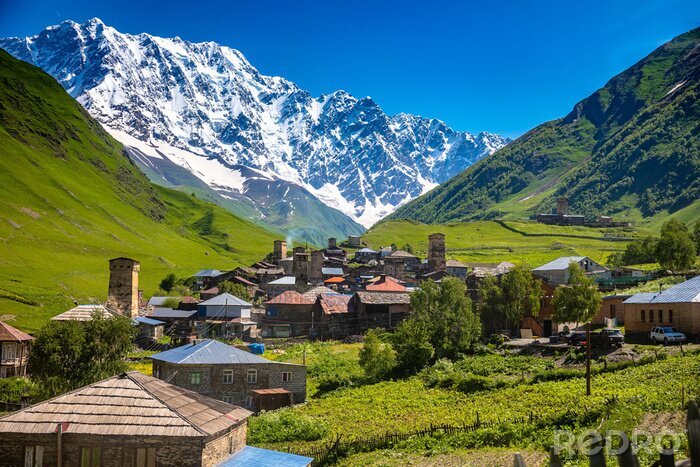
(283, 426)
(376, 358)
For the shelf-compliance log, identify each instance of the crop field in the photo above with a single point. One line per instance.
(490, 242)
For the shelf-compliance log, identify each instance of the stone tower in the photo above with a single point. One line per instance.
(436, 252)
(316, 271)
(300, 266)
(280, 251)
(123, 293)
(562, 206)
(332, 243)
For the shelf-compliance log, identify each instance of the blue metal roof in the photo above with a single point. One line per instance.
(225, 299)
(206, 352)
(250, 456)
(208, 273)
(685, 292)
(172, 314)
(559, 263)
(286, 280)
(149, 321)
(332, 271)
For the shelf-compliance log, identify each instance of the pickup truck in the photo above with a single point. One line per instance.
(667, 335)
(607, 339)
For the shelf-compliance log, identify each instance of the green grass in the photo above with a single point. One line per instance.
(71, 200)
(489, 242)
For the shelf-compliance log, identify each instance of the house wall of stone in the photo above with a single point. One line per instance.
(222, 447)
(686, 317)
(123, 292)
(298, 316)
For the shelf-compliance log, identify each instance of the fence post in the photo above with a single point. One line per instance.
(626, 457)
(518, 461)
(554, 459)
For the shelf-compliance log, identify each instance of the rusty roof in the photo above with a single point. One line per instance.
(10, 334)
(314, 292)
(335, 303)
(131, 404)
(385, 284)
(270, 391)
(384, 298)
(290, 297)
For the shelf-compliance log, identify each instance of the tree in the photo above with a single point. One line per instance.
(579, 300)
(412, 346)
(445, 311)
(696, 237)
(640, 251)
(377, 359)
(168, 282)
(69, 354)
(491, 306)
(675, 250)
(521, 295)
(408, 248)
(237, 290)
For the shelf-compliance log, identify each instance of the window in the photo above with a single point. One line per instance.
(195, 377)
(8, 351)
(228, 399)
(34, 456)
(252, 376)
(641, 316)
(670, 316)
(612, 311)
(228, 377)
(248, 401)
(90, 457)
(651, 316)
(286, 376)
(145, 457)
(661, 316)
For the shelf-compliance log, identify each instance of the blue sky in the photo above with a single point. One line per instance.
(499, 66)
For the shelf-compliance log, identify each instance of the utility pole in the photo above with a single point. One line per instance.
(588, 359)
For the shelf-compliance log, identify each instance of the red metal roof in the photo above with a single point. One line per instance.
(334, 303)
(8, 333)
(290, 297)
(386, 284)
(335, 280)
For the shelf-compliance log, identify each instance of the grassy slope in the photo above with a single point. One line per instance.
(71, 201)
(487, 241)
(630, 149)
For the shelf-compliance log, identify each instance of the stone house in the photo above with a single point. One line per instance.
(677, 306)
(366, 254)
(380, 309)
(335, 316)
(227, 373)
(224, 307)
(206, 278)
(14, 351)
(130, 420)
(456, 268)
(277, 286)
(289, 308)
(611, 308)
(148, 328)
(556, 272)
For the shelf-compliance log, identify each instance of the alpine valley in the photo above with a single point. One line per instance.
(200, 118)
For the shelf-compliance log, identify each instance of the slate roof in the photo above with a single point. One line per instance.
(401, 254)
(290, 297)
(207, 352)
(208, 273)
(559, 264)
(453, 263)
(83, 313)
(10, 334)
(314, 292)
(332, 271)
(251, 456)
(225, 299)
(685, 292)
(169, 313)
(286, 280)
(131, 404)
(384, 298)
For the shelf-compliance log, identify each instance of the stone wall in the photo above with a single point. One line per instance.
(123, 292)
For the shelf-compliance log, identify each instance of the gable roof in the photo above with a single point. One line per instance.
(208, 273)
(129, 404)
(334, 303)
(401, 254)
(367, 250)
(10, 334)
(336, 280)
(83, 313)
(208, 351)
(290, 297)
(314, 292)
(225, 299)
(165, 313)
(159, 300)
(145, 320)
(685, 292)
(385, 284)
(384, 298)
(286, 280)
(332, 271)
(560, 264)
(453, 263)
(251, 456)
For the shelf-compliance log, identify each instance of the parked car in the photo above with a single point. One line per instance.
(607, 338)
(576, 338)
(667, 335)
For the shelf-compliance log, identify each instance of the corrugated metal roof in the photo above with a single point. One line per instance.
(332, 271)
(334, 303)
(385, 284)
(559, 263)
(83, 313)
(367, 250)
(290, 297)
(130, 404)
(685, 292)
(146, 320)
(208, 351)
(251, 456)
(286, 280)
(208, 273)
(158, 301)
(225, 299)
(10, 334)
(170, 313)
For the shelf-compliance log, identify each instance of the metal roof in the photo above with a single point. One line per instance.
(225, 299)
(146, 320)
(251, 456)
(83, 313)
(367, 250)
(685, 292)
(208, 273)
(208, 351)
(172, 314)
(290, 297)
(453, 263)
(131, 404)
(158, 301)
(332, 271)
(8, 333)
(286, 280)
(559, 263)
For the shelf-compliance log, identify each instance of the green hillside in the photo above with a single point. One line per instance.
(492, 242)
(630, 150)
(71, 200)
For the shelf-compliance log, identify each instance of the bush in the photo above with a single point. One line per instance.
(376, 358)
(284, 426)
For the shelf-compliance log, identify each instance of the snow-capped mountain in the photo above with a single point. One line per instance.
(202, 111)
